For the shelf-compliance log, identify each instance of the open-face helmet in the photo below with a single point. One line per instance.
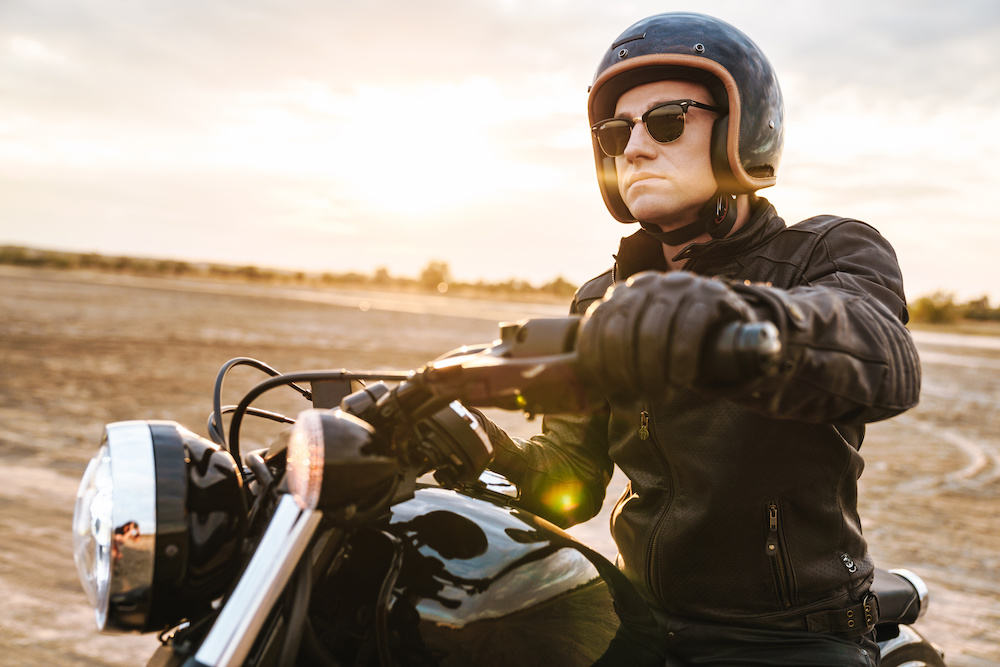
(748, 136)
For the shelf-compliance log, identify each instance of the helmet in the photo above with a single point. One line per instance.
(749, 134)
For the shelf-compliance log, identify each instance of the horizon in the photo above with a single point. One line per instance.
(324, 137)
(536, 287)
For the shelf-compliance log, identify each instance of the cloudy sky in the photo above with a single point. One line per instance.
(332, 135)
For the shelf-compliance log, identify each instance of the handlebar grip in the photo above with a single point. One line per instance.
(742, 351)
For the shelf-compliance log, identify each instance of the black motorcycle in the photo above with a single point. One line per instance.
(369, 532)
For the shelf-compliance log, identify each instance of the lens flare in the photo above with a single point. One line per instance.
(564, 498)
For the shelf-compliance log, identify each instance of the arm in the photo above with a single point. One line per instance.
(561, 473)
(848, 356)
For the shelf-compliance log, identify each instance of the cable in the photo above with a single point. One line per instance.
(216, 430)
(255, 412)
(290, 379)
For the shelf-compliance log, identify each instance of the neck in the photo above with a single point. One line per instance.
(671, 251)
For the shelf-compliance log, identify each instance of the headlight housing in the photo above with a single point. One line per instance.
(159, 516)
(332, 459)
(331, 463)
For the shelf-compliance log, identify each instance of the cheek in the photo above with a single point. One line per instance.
(706, 173)
(701, 153)
(619, 172)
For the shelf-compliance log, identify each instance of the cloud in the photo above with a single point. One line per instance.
(925, 51)
(250, 114)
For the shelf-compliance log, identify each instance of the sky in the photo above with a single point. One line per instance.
(326, 135)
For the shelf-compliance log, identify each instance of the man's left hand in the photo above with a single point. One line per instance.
(650, 332)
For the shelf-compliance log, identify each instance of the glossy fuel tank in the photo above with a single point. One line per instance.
(481, 583)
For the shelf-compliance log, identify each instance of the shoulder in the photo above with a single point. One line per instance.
(825, 225)
(591, 291)
(817, 247)
(828, 234)
(854, 255)
(837, 235)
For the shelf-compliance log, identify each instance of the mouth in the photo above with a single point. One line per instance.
(636, 178)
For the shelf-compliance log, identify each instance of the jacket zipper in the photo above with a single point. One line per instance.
(779, 562)
(652, 579)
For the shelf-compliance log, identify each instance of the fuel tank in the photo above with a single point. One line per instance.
(478, 583)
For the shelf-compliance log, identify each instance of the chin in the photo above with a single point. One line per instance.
(666, 217)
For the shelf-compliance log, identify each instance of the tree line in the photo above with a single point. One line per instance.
(436, 275)
(936, 308)
(942, 308)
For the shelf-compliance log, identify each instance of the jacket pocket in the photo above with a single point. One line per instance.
(777, 553)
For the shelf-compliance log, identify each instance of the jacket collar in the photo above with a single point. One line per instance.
(641, 252)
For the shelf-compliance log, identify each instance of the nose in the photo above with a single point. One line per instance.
(640, 144)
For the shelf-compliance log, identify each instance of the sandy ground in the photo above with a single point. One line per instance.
(80, 350)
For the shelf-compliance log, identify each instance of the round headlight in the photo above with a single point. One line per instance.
(141, 565)
(114, 523)
(92, 530)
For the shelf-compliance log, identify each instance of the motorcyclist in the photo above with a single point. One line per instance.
(739, 522)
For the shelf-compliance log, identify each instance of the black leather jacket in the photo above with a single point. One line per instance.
(742, 505)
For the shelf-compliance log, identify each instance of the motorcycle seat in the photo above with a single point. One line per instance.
(902, 596)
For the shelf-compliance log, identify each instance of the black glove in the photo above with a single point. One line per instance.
(650, 332)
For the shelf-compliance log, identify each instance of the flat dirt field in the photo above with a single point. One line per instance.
(79, 350)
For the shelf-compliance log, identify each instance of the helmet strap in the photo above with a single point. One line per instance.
(716, 217)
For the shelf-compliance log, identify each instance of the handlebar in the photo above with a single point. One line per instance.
(533, 367)
(742, 351)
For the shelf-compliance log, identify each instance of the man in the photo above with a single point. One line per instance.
(740, 520)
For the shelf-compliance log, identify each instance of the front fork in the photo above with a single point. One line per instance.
(279, 553)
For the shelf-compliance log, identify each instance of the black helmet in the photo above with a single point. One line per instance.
(748, 136)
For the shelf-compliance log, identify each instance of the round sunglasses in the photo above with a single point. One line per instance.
(664, 122)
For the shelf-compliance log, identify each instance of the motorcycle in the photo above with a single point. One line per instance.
(370, 531)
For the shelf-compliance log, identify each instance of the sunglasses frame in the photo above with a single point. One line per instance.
(631, 122)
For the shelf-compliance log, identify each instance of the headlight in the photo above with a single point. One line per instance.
(140, 565)
(92, 529)
(115, 522)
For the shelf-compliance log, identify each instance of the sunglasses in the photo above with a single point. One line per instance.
(664, 122)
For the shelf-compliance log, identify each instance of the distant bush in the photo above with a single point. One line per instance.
(980, 310)
(938, 308)
(941, 308)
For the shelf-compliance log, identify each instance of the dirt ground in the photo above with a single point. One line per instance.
(80, 350)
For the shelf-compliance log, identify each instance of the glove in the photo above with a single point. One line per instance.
(649, 333)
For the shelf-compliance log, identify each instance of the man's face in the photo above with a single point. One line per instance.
(666, 184)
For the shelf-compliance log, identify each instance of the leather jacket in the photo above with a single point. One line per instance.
(741, 505)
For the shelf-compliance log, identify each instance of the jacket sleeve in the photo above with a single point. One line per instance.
(848, 357)
(562, 473)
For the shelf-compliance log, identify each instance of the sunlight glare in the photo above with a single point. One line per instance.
(404, 150)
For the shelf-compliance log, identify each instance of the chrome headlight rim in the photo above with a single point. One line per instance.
(130, 541)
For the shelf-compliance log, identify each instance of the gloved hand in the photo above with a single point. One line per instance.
(650, 332)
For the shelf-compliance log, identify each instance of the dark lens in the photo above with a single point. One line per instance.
(613, 136)
(665, 123)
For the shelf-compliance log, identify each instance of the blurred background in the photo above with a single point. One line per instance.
(328, 135)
